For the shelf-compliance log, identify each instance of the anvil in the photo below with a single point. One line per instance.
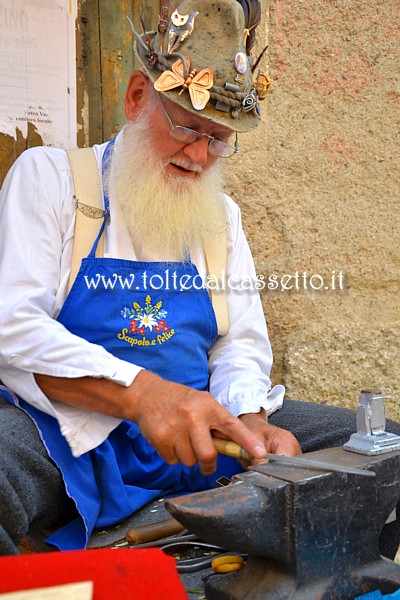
(309, 535)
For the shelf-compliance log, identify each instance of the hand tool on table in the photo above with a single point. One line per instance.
(302, 462)
(153, 531)
(209, 555)
(229, 563)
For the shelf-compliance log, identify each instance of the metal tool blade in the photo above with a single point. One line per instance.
(305, 463)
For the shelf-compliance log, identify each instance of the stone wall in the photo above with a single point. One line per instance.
(318, 184)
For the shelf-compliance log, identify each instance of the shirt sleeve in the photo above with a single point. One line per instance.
(240, 362)
(36, 233)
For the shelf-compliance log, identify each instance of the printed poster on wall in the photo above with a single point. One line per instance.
(37, 69)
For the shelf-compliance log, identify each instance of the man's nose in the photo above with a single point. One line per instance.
(198, 151)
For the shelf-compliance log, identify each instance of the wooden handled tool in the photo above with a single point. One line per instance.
(232, 449)
(301, 462)
(153, 531)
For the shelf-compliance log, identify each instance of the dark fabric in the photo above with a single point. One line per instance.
(32, 493)
(319, 426)
(316, 426)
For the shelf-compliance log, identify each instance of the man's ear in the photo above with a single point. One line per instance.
(136, 95)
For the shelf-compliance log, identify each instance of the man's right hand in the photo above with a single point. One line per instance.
(178, 421)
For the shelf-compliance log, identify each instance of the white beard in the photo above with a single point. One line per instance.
(164, 214)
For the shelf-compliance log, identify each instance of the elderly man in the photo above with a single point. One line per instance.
(112, 389)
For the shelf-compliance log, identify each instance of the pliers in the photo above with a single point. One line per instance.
(190, 565)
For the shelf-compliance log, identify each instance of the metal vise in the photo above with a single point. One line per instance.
(310, 535)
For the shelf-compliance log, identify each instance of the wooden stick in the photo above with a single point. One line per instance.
(153, 531)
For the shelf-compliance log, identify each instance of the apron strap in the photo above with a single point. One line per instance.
(89, 207)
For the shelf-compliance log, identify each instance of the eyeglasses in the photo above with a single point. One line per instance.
(188, 136)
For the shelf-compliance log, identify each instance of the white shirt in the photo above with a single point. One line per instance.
(37, 216)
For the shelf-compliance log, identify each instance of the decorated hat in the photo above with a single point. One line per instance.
(200, 59)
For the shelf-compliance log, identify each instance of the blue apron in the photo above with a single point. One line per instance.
(139, 313)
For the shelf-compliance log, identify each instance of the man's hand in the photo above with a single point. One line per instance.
(178, 420)
(276, 440)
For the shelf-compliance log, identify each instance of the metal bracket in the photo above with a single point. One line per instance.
(371, 437)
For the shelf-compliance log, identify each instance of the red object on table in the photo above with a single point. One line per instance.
(135, 574)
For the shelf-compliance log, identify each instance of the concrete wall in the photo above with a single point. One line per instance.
(318, 184)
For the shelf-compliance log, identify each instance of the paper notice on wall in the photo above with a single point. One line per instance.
(37, 69)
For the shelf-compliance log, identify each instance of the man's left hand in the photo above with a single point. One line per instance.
(275, 439)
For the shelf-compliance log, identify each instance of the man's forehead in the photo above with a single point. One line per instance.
(189, 119)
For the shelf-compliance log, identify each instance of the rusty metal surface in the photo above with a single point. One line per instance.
(11, 148)
(309, 535)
